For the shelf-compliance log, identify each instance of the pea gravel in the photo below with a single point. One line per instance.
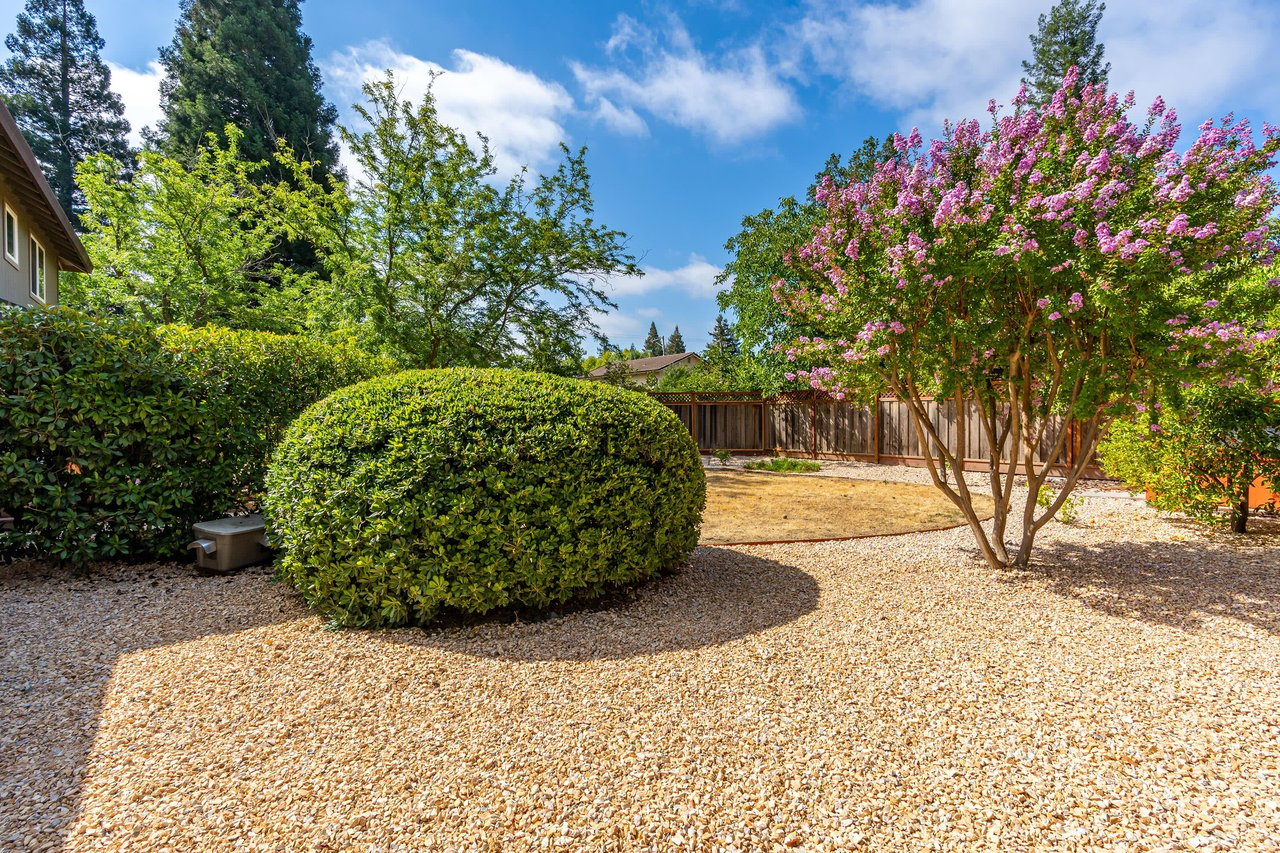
(879, 694)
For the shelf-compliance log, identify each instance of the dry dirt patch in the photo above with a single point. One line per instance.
(756, 506)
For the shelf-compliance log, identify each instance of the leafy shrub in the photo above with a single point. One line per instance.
(722, 456)
(1202, 456)
(784, 464)
(476, 489)
(1068, 512)
(256, 383)
(103, 442)
(115, 437)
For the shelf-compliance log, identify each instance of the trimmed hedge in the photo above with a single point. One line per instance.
(115, 437)
(256, 384)
(102, 440)
(477, 489)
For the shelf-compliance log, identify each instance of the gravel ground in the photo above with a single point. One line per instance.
(879, 694)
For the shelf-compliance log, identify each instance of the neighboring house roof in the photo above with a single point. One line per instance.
(27, 181)
(648, 365)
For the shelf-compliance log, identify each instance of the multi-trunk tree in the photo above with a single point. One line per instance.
(59, 91)
(1046, 270)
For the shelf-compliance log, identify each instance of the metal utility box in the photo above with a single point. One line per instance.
(230, 543)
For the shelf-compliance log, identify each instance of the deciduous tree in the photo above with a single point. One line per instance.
(1035, 272)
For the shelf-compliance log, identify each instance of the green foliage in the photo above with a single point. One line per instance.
(722, 372)
(115, 437)
(476, 489)
(435, 265)
(254, 384)
(759, 251)
(723, 343)
(103, 442)
(247, 64)
(722, 456)
(783, 464)
(59, 91)
(609, 355)
(1203, 455)
(1067, 36)
(653, 345)
(1068, 511)
(675, 343)
(193, 241)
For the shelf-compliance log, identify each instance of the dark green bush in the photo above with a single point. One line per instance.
(102, 440)
(115, 437)
(256, 383)
(476, 489)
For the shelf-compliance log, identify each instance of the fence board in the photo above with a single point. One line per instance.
(814, 424)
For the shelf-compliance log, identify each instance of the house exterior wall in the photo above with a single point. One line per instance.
(15, 281)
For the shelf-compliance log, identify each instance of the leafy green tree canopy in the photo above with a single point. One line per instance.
(192, 241)
(1067, 36)
(245, 63)
(675, 343)
(59, 91)
(431, 263)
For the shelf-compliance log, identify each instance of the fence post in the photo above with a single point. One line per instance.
(813, 424)
(694, 420)
(875, 426)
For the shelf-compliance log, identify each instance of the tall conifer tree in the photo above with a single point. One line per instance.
(1066, 36)
(247, 63)
(675, 343)
(653, 343)
(723, 341)
(59, 91)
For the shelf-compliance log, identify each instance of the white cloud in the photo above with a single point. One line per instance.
(936, 59)
(697, 279)
(621, 328)
(140, 91)
(519, 111)
(650, 313)
(730, 98)
(929, 59)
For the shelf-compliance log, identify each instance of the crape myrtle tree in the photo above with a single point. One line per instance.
(1029, 273)
(433, 264)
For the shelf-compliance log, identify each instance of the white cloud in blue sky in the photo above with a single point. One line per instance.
(730, 97)
(518, 111)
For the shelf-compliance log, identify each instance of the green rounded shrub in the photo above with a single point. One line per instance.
(103, 447)
(476, 489)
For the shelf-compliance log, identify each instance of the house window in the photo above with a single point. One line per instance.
(10, 235)
(37, 270)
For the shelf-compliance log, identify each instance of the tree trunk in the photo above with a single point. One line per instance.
(1240, 515)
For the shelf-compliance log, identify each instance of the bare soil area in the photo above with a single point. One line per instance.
(758, 506)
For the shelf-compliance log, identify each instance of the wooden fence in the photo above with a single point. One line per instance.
(814, 424)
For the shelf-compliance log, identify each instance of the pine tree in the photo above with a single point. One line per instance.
(675, 343)
(59, 91)
(1066, 36)
(723, 341)
(653, 343)
(247, 63)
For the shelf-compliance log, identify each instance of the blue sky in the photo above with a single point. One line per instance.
(697, 113)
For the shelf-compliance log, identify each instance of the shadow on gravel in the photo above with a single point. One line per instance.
(717, 597)
(1177, 584)
(61, 635)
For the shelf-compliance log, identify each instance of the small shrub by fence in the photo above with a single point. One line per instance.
(815, 424)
